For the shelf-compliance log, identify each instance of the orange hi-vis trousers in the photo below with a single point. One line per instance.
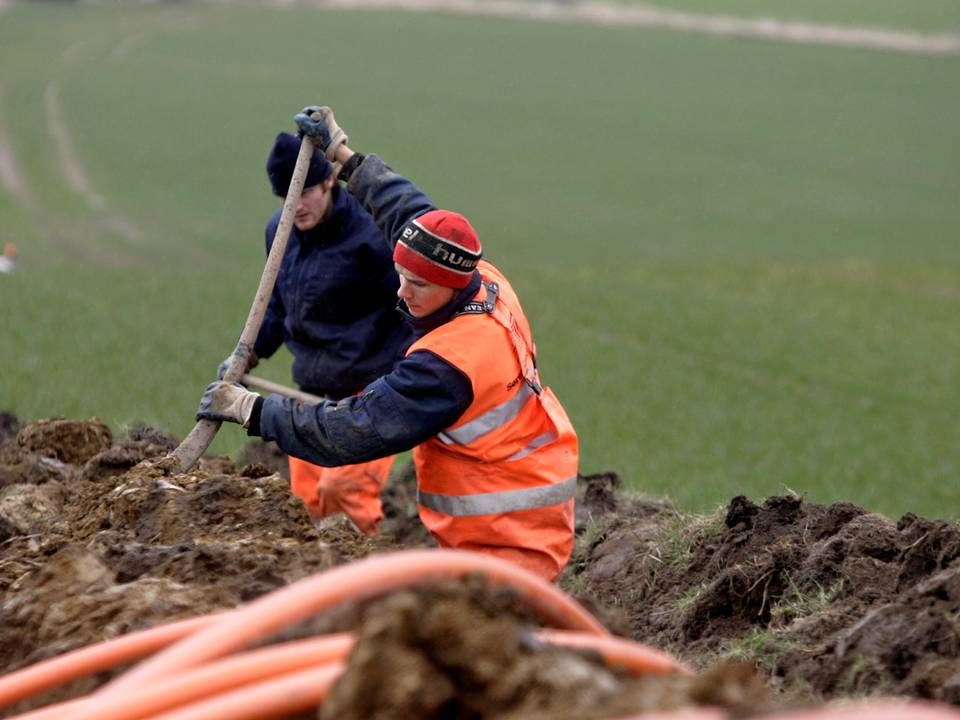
(351, 489)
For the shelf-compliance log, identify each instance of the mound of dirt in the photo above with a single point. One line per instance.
(101, 536)
(830, 601)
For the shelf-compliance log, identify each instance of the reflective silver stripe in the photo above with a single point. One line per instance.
(537, 442)
(490, 420)
(499, 502)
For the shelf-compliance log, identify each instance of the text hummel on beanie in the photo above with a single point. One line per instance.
(441, 247)
(283, 159)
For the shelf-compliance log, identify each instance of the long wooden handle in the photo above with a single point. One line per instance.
(278, 389)
(199, 439)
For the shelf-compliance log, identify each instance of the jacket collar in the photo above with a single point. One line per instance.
(421, 326)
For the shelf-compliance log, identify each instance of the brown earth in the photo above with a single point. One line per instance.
(774, 604)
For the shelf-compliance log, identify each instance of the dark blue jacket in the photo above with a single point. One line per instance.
(422, 396)
(334, 304)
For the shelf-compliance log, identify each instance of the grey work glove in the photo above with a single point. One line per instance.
(318, 123)
(252, 362)
(227, 402)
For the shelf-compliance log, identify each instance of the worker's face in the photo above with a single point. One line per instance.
(316, 203)
(422, 297)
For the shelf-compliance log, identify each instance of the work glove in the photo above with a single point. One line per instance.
(227, 402)
(252, 362)
(319, 124)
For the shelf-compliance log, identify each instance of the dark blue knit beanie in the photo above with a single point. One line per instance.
(282, 160)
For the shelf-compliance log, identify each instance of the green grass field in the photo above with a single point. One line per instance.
(741, 259)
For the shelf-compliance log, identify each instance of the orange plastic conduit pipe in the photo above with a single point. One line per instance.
(276, 659)
(94, 658)
(216, 678)
(637, 658)
(195, 683)
(229, 674)
(54, 712)
(355, 581)
(693, 713)
(875, 710)
(277, 697)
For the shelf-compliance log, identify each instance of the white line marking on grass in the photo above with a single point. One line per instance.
(602, 13)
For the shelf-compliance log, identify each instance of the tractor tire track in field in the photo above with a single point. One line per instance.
(74, 172)
(9, 173)
(643, 15)
(13, 183)
(11, 180)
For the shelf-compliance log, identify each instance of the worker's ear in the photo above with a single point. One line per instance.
(330, 181)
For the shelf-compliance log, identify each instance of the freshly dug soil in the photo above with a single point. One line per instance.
(829, 601)
(774, 603)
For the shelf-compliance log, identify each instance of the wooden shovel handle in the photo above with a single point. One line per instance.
(265, 385)
(199, 439)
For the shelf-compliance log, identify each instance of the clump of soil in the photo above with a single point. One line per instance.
(111, 540)
(101, 536)
(464, 650)
(9, 426)
(266, 454)
(401, 526)
(69, 441)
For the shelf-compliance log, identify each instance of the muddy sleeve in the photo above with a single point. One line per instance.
(421, 397)
(391, 198)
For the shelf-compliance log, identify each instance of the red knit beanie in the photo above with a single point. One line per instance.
(441, 247)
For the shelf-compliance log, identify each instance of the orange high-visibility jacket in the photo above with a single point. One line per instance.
(501, 480)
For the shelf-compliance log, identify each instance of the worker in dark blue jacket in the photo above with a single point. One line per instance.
(334, 306)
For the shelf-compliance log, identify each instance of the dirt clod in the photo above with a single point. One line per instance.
(69, 441)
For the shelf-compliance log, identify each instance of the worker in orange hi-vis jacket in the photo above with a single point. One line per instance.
(495, 454)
